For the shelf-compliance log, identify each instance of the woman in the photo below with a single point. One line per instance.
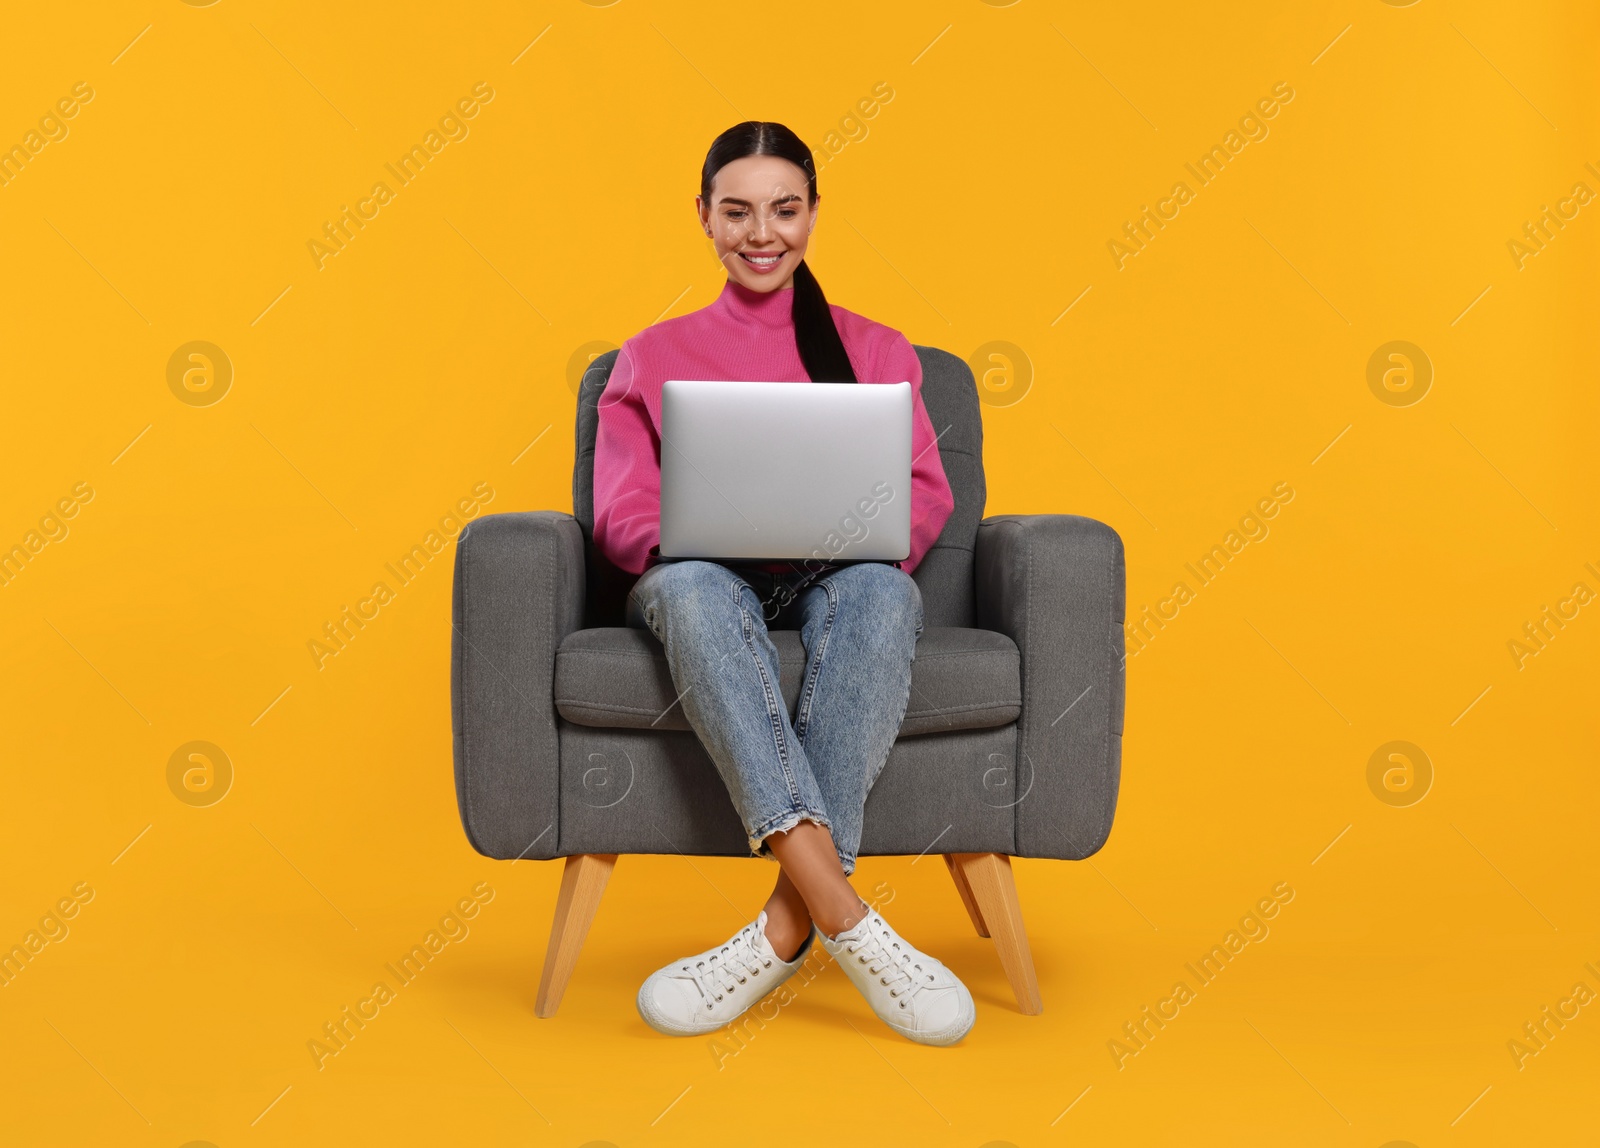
(798, 786)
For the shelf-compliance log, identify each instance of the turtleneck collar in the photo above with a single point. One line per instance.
(770, 309)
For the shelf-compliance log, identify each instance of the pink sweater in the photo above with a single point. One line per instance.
(746, 335)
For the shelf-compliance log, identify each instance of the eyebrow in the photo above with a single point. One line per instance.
(746, 203)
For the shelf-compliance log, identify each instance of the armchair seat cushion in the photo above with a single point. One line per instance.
(617, 677)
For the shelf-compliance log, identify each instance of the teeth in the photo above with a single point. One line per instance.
(764, 260)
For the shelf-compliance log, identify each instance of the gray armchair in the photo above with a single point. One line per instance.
(568, 741)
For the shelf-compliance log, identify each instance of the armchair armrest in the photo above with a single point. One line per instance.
(519, 590)
(1056, 585)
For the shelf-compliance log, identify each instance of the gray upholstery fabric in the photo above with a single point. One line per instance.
(1055, 584)
(605, 586)
(642, 791)
(518, 592)
(945, 574)
(538, 615)
(586, 427)
(618, 678)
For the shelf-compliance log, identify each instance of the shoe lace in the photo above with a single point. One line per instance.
(889, 958)
(728, 968)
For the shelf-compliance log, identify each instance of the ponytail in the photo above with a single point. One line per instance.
(815, 333)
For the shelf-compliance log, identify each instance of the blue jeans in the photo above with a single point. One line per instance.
(859, 625)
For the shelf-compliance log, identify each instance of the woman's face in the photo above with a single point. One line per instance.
(759, 220)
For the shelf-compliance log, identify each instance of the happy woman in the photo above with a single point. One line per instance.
(798, 782)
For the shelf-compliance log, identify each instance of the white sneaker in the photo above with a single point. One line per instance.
(700, 994)
(912, 993)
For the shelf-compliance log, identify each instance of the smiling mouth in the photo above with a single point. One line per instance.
(761, 260)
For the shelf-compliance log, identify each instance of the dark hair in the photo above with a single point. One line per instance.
(815, 335)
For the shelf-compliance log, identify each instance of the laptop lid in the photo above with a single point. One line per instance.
(785, 471)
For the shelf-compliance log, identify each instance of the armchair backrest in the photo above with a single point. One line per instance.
(944, 575)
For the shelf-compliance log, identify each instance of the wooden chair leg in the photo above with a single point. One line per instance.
(963, 888)
(995, 890)
(582, 884)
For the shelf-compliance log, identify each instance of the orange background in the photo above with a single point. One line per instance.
(435, 353)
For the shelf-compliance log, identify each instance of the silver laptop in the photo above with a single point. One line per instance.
(785, 471)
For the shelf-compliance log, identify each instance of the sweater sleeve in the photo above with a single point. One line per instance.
(931, 499)
(627, 471)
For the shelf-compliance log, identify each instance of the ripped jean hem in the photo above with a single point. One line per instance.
(782, 823)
